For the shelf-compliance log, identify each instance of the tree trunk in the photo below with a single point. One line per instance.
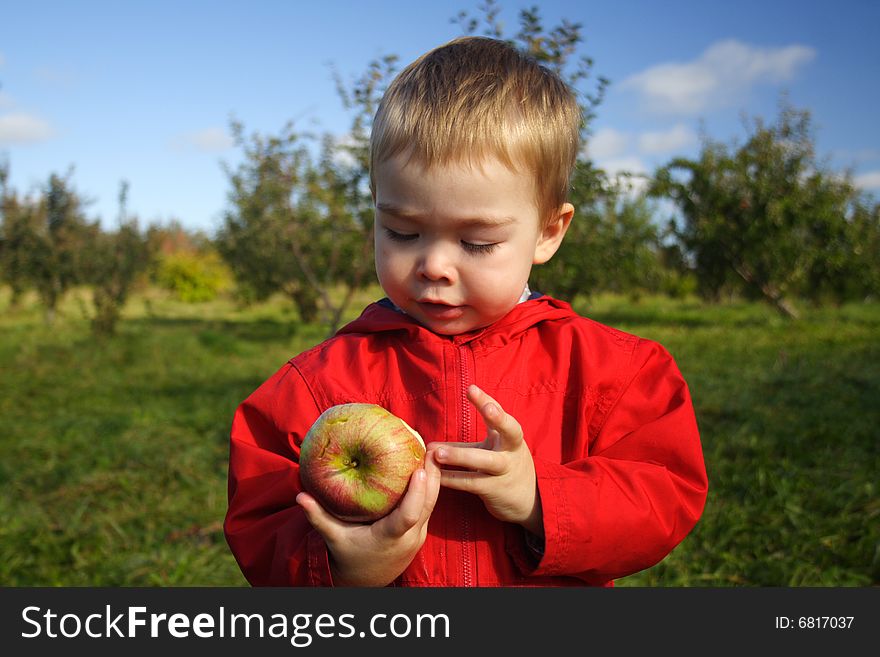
(770, 292)
(305, 298)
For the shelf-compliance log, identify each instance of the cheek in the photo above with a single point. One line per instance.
(498, 282)
(515, 263)
(382, 254)
(504, 280)
(390, 265)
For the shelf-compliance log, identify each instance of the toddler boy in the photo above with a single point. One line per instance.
(561, 452)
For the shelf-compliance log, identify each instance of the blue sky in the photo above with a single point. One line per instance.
(144, 91)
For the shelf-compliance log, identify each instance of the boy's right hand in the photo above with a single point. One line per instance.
(375, 554)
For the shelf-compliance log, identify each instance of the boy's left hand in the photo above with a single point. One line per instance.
(500, 469)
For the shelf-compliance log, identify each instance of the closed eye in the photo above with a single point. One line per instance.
(478, 249)
(400, 237)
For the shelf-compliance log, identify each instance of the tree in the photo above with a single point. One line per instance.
(49, 245)
(18, 237)
(116, 259)
(296, 225)
(613, 246)
(574, 269)
(763, 218)
(45, 241)
(255, 239)
(340, 247)
(863, 261)
(846, 264)
(302, 224)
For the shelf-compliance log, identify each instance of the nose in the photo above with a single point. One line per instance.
(435, 264)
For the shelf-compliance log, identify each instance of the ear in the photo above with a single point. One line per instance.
(552, 234)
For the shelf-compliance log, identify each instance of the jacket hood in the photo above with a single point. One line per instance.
(382, 316)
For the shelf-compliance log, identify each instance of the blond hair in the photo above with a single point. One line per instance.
(475, 98)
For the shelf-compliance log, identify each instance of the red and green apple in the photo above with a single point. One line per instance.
(357, 459)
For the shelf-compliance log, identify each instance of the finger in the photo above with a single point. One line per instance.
(324, 522)
(469, 482)
(409, 511)
(509, 430)
(479, 460)
(453, 444)
(432, 488)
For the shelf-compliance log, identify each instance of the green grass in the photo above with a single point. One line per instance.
(113, 452)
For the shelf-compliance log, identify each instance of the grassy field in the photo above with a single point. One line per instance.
(113, 452)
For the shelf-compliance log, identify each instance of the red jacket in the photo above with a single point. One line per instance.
(607, 416)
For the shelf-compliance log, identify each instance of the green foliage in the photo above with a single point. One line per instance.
(255, 239)
(48, 245)
(18, 237)
(612, 245)
(193, 276)
(848, 265)
(766, 220)
(295, 225)
(299, 223)
(44, 241)
(115, 260)
(118, 257)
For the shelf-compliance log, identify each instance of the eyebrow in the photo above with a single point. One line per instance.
(470, 222)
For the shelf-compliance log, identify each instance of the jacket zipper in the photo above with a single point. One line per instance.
(465, 375)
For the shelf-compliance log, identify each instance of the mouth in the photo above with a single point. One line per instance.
(439, 310)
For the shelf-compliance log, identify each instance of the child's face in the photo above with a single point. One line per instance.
(455, 244)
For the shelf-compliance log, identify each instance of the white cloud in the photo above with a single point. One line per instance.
(630, 171)
(628, 164)
(341, 154)
(675, 139)
(607, 143)
(21, 128)
(867, 180)
(717, 77)
(209, 140)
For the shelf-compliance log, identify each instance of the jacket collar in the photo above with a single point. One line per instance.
(381, 316)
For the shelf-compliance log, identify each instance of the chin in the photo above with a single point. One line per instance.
(452, 328)
(445, 328)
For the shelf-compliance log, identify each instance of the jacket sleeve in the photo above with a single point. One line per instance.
(268, 533)
(641, 489)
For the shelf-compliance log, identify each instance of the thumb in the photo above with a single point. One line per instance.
(320, 519)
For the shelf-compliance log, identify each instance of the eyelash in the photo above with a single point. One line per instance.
(399, 237)
(474, 249)
(478, 248)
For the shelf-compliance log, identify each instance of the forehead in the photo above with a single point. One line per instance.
(465, 221)
(401, 173)
(480, 192)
